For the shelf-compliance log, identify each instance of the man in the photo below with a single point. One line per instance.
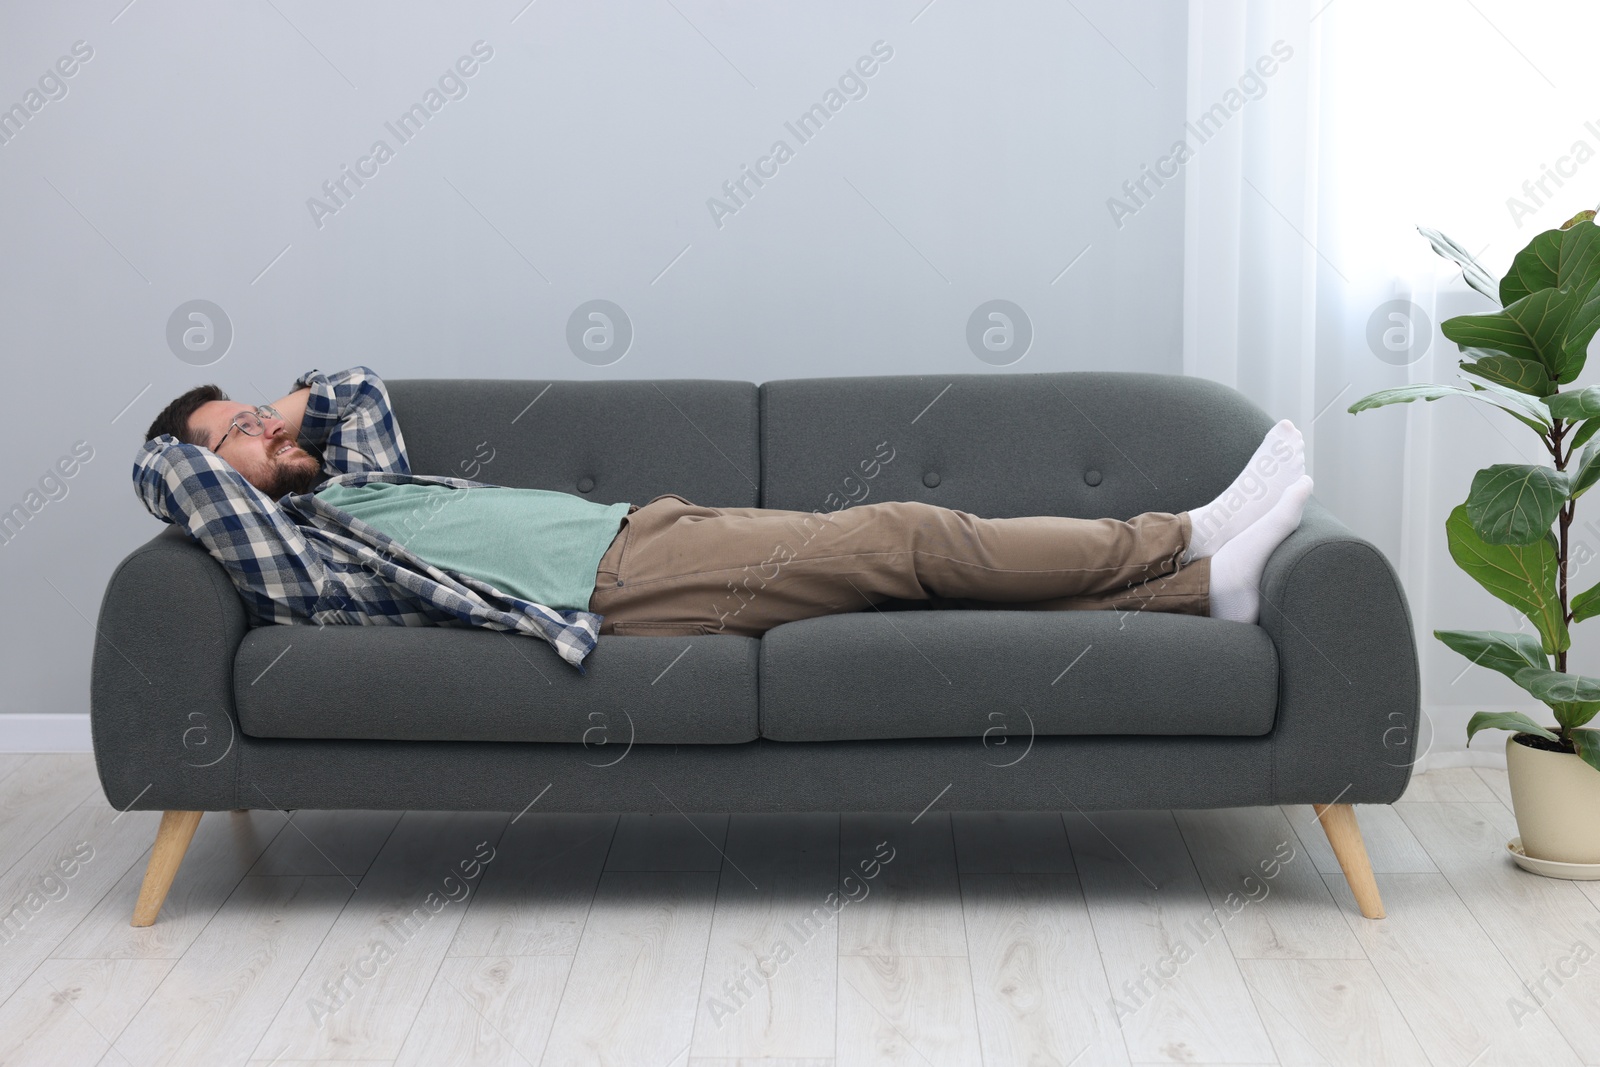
(311, 506)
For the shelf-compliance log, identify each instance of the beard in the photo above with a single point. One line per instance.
(292, 473)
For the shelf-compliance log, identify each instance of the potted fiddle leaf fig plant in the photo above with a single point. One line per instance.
(1511, 533)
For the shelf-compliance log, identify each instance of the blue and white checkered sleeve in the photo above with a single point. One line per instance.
(264, 553)
(348, 419)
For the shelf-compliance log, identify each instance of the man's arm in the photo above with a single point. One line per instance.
(264, 553)
(345, 419)
(293, 410)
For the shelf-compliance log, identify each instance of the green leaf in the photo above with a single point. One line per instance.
(1504, 652)
(1575, 404)
(1404, 394)
(1554, 259)
(1475, 275)
(1587, 742)
(1515, 503)
(1524, 409)
(1586, 603)
(1558, 686)
(1585, 432)
(1506, 720)
(1572, 713)
(1580, 330)
(1533, 268)
(1535, 328)
(1580, 256)
(1572, 697)
(1586, 473)
(1523, 576)
(1518, 374)
(1519, 404)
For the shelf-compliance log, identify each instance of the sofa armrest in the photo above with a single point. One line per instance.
(1349, 692)
(166, 735)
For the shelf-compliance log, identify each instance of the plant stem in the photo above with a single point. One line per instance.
(1557, 432)
(1566, 616)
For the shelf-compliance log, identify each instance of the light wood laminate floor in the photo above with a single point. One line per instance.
(427, 938)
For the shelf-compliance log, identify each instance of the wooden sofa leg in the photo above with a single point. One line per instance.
(1339, 823)
(172, 841)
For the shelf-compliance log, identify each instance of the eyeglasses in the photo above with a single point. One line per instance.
(249, 422)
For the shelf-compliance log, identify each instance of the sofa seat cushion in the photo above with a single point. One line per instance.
(1003, 676)
(435, 683)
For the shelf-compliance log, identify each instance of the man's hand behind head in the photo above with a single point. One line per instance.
(262, 448)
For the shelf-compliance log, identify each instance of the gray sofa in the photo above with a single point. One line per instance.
(892, 708)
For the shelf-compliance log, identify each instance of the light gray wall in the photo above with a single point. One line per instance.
(179, 161)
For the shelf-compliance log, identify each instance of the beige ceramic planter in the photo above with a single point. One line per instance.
(1556, 797)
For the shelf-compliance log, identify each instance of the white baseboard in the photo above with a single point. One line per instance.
(32, 732)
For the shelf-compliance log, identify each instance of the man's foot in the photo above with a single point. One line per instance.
(1278, 461)
(1237, 568)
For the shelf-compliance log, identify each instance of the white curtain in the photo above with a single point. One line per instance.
(1307, 286)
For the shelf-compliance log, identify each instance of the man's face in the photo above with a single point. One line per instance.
(271, 461)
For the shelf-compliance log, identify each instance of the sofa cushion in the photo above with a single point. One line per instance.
(436, 683)
(1003, 676)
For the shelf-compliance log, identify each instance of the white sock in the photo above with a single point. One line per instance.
(1277, 462)
(1237, 568)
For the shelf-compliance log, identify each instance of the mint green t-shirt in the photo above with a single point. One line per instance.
(539, 545)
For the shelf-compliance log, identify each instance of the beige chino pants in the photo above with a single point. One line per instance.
(678, 568)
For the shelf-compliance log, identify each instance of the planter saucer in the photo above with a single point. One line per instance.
(1584, 872)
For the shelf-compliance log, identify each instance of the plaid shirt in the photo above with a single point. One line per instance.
(299, 560)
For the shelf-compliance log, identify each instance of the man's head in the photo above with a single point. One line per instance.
(270, 459)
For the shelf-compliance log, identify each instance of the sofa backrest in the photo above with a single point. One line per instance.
(605, 441)
(1080, 443)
